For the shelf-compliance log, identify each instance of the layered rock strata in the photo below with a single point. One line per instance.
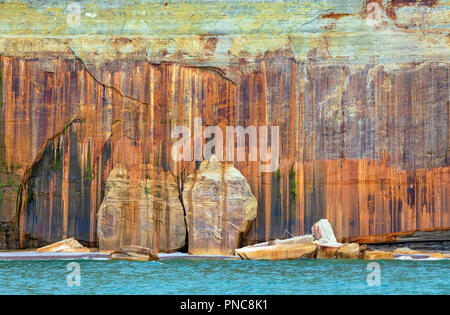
(141, 207)
(362, 105)
(220, 207)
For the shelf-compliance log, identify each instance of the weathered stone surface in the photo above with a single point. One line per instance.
(294, 240)
(367, 147)
(80, 250)
(61, 246)
(438, 255)
(278, 252)
(134, 253)
(325, 252)
(141, 207)
(220, 207)
(327, 243)
(413, 239)
(377, 255)
(348, 251)
(323, 230)
(347, 186)
(305, 239)
(405, 250)
(326, 249)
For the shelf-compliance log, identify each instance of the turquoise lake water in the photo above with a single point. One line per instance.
(180, 276)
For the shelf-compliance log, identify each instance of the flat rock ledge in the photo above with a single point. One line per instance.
(33, 255)
(322, 244)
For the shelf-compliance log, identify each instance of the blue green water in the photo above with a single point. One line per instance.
(225, 277)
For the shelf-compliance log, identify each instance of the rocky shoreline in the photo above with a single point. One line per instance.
(321, 244)
(33, 255)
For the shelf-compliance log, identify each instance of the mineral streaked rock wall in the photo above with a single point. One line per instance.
(363, 109)
(54, 201)
(349, 123)
(219, 208)
(113, 129)
(145, 213)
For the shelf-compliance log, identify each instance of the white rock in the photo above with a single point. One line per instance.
(327, 243)
(323, 230)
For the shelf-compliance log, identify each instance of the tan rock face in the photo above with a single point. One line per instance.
(437, 255)
(337, 164)
(79, 250)
(278, 252)
(324, 252)
(134, 253)
(348, 251)
(141, 207)
(220, 207)
(405, 250)
(377, 255)
(66, 245)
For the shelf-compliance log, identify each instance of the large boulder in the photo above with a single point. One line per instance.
(326, 249)
(134, 253)
(348, 251)
(66, 245)
(220, 207)
(325, 252)
(306, 239)
(141, 207)
(323, 230)
(278, 252)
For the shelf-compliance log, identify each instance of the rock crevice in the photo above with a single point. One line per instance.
(145, 206)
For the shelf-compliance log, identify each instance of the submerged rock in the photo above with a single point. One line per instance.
(142, 207)
(220, 207)
(67, 245)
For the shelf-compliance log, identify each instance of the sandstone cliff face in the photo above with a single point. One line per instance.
(144, 212)
(353, 148)
(220, 207)
(53, 202)
(363, 114)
